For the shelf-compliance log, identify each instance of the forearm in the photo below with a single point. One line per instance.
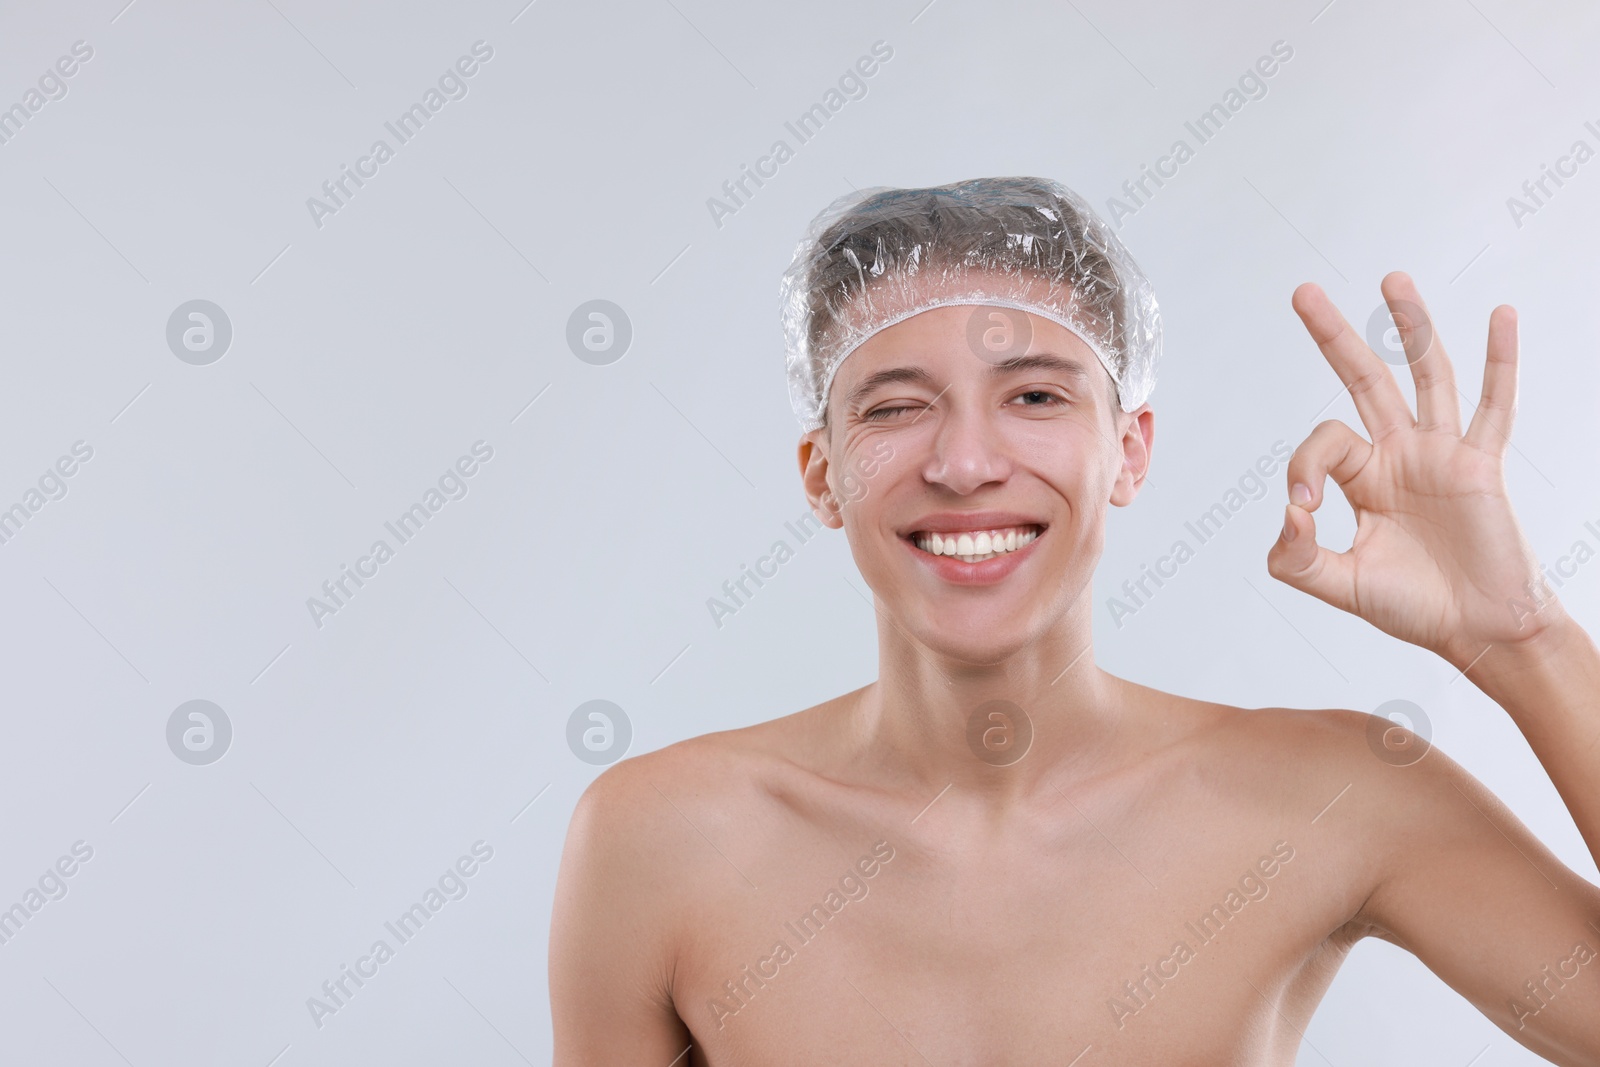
(1551, 689)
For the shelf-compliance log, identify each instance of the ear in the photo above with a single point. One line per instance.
(1138, 436)
(814, 475)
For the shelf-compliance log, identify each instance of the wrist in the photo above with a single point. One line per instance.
(1509, 672)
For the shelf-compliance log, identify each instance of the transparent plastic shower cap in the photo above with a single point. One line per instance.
(878, 256)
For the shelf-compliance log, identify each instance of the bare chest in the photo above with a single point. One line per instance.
(1082, 945)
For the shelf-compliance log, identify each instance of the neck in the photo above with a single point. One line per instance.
(999, 733)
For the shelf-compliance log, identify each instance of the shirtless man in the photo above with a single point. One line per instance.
(998, 853)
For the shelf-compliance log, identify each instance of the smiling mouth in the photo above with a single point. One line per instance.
(975, 546)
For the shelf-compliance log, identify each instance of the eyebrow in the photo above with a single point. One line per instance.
(1043, 361)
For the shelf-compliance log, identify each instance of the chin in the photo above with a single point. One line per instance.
(975, 646)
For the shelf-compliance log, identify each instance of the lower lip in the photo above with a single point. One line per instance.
(988, 572)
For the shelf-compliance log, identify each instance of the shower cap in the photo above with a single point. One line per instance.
(877, 256)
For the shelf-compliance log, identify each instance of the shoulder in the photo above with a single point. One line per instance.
(717, 762)
(649, 830)
(1294, 741)
(1369, 793)
(624, 881)
(639, 809)
(1288, 765)
(638, 867)
(1381, 769)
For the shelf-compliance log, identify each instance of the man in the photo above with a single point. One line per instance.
(998, 853)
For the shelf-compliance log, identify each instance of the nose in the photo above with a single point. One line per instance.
(968, 449)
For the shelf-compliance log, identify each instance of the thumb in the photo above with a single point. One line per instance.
(1296, 560)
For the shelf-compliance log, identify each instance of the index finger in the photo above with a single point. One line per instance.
(1377, 396)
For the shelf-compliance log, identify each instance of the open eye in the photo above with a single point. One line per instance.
(1040, 398)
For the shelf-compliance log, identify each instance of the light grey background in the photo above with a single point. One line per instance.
(431, 311)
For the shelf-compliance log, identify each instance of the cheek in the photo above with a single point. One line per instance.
(856, 514)
(1104, 470)
(1079, 467)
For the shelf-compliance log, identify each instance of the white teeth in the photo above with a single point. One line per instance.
(974, 548)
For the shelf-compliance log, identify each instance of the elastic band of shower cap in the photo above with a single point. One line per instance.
(987, 300)
(878, 256)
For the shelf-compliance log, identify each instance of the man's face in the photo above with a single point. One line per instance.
(930, 434)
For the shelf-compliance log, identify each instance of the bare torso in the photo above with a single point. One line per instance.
(1159, 880)
(1187, 906)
